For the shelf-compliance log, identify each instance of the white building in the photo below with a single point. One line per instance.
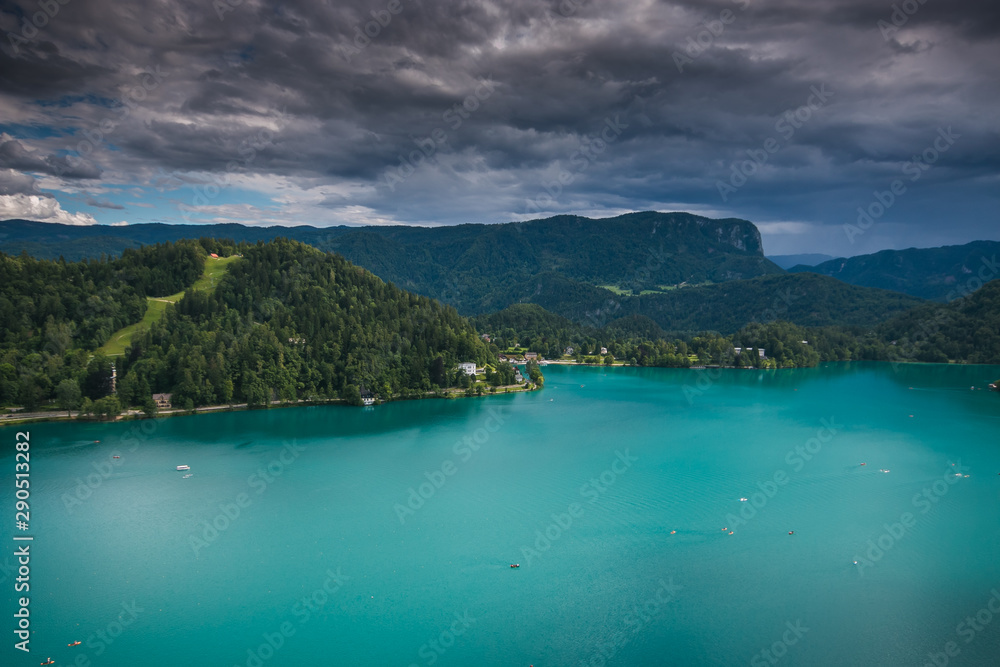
(604, 350)
(760, 352)
(467, 367)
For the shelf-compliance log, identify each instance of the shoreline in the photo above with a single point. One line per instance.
(448, 394)
(134, 415)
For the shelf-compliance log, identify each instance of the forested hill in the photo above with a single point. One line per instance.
(287, 321)
(803, 299)
(291, 322)
(941, 274)
(470, 266)
(61, 305)
(967, 329)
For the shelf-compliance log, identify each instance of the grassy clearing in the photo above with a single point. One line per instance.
(157, 306)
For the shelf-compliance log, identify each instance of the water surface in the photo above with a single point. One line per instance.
(385, 536)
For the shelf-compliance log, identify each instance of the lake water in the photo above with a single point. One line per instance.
(384, 536)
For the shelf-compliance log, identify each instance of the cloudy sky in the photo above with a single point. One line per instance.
(791, 114)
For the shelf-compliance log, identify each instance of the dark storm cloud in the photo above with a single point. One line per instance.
(14, 155)
(15, 183)
(101, 203)
(332, 99)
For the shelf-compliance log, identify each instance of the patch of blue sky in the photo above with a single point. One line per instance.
(20, 131)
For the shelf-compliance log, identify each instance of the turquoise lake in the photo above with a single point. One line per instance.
(384, 536)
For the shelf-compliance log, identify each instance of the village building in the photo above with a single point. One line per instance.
(467, 367)
(163, 401)
(367, 397)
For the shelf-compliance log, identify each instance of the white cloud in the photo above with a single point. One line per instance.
(40, 209)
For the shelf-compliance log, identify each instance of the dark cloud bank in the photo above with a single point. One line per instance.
(791, 114)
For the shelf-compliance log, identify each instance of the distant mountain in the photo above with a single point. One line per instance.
(939, 274)
(808, 259)
(675, 271)
(468, 266)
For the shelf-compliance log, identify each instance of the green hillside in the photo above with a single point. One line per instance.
(941, 274)
(284, 322)
(156, 307)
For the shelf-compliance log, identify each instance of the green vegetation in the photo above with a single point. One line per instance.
(966, 330)
(53, 313)
(941, 274)
(289, 322)
(157, 306)
(477, 267)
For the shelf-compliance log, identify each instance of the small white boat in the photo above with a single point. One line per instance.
(183, 467)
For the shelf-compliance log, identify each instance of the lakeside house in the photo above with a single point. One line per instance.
(760, 352)
(468, 367)
(604, 350)
(569, 351)
(738, 350)
(367, 397)
(163, 401)
(531, 355)
(518, 378)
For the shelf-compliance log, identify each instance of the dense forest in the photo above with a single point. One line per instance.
(966, 329)
(941, 274)
(54, 313)
(286, 322)
(290, 322)
(637, 340)
(473, 266)
(686, 272)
